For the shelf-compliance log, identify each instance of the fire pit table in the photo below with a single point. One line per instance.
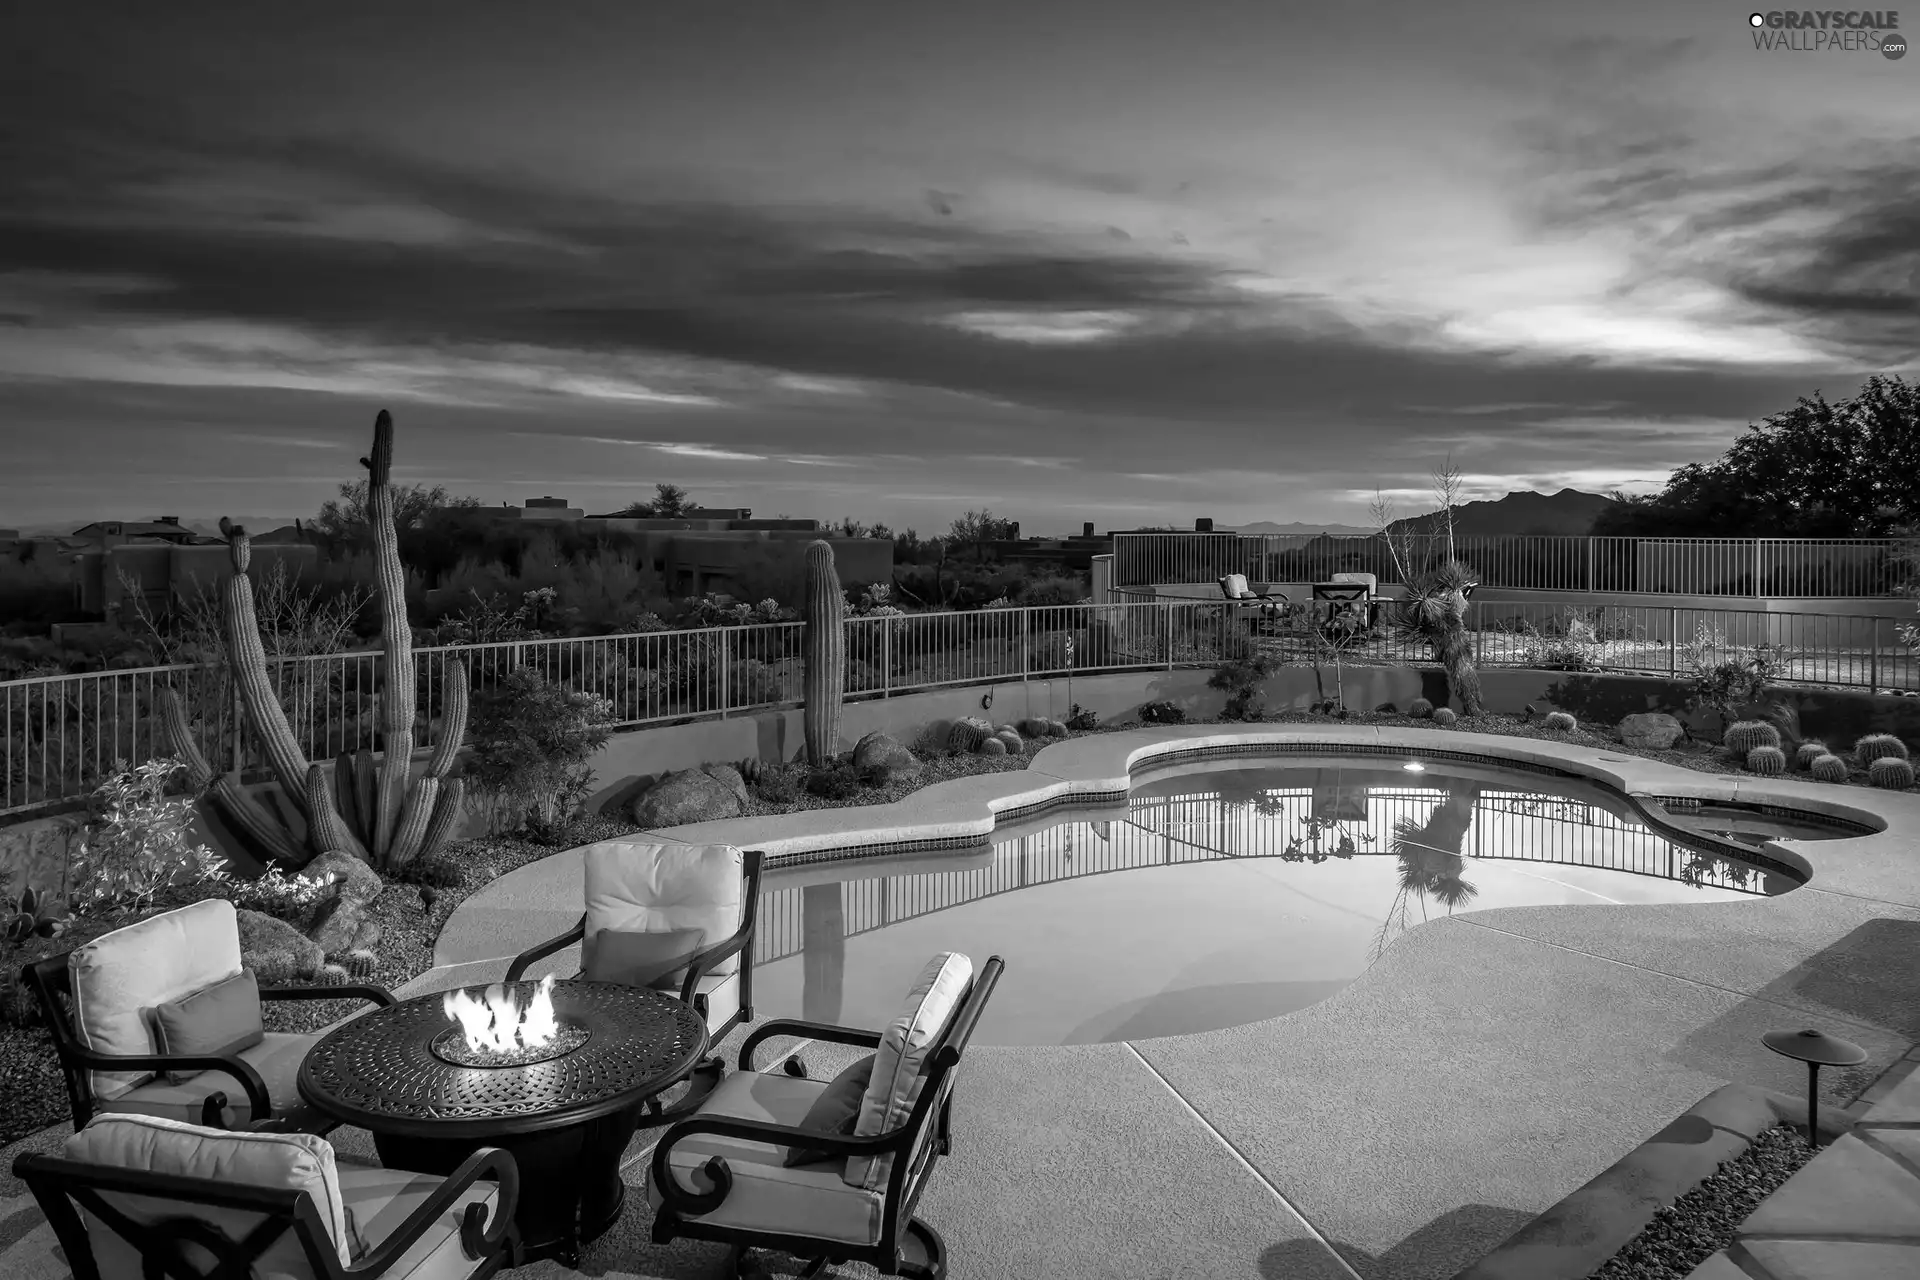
(555, 1073)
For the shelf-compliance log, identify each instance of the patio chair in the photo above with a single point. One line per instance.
(160, 1018)
(829, 1171)
(1234, 587)
(141, 1198)
(673, 917)
(1352, 595)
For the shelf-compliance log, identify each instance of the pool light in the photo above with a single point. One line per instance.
(1414, 766)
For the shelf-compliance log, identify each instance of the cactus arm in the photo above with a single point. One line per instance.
(249, 818)
(248, 657)
(396, 693)
(453, 721)
(364, 771)
(826, 653)
(412, 829)
(180, 741)
(345, 796)
(326, 832)
(453, 792)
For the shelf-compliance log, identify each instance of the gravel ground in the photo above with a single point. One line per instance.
(35, 1095)
(1702, 1222)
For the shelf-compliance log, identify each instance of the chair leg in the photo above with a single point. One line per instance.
(795, 1067)
(923, 1254)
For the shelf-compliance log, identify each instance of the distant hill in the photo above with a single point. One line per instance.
(1568, 512)
(1296, 528)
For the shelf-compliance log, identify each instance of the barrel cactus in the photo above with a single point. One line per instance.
(1057, 729)
(1768, 761)
(965, 735)
(1828, 768)
(1743, 736)
(993, 747)
(1445, 717)
(1420, 709)
(1035, 727)
(1891, 772)
(1560, 722)
(752, 769)
(1879, 746)
(1808, 752)
(826, 654)
(1016, 745)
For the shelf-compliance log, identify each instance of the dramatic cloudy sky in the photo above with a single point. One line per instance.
(1068, 259)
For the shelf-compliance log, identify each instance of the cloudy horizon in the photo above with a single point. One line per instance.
(1123, 262)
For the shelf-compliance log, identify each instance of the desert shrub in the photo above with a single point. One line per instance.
(1768, 761)
(1082, 719)
(1420, 708)
(273, 893)
(1891, 772)
(1560, 722)
(1828, 769)
(1743, 736)
(776, 786)
(532, 739)
(1445, 717)
(1241, 679)
(834, 782)
(1051, 589)
(1808, 752)
(135, 841)
(1162, 713)
(1879, 746)
(1725, 676)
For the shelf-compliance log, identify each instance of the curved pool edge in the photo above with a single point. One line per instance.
(963, 812)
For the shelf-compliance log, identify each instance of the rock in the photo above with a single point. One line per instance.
(880, 759)
(341, 922)
(1651, 730)
(731, 778)
(277, 952)
(683, 797)
(352, 878)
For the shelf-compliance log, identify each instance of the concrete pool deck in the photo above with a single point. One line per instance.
(1486, 1066)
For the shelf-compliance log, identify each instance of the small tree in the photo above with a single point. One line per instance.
(670, 502)
(532, 740)
(342, 522)
(1435, 610)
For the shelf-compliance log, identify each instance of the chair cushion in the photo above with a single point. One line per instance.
(277, 1058)
(904, 1046)
(835, 1111)
(221, 1019)
(722, 995)
(377, 1201)
(1351, 575)
(640, 958)
(296, 1161)
(1234, 585)
(658, 888)
(810, 1200)
(120, 976)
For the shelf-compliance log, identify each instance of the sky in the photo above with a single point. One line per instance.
(1125, 262)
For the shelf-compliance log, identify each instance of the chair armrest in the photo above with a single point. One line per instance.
(701, 961)
(478, 1236)
(541, 951)
(244, 1072)
(343, 991)
(805, 1031)
(683, 1200)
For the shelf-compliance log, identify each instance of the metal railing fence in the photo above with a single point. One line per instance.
(1781, 568)
(59, 735)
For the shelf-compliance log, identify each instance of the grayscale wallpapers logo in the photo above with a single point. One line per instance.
(1830, 30)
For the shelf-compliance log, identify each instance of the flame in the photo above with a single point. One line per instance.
(495, 1020)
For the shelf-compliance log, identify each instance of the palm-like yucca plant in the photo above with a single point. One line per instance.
(1435, 611)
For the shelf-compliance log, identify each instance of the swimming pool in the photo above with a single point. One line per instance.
(1218, 893)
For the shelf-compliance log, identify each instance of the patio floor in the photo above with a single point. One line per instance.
(1486, 1066)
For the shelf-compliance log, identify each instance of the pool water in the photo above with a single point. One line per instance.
(1216, 895)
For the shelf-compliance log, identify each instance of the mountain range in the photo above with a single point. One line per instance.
(1569, 512)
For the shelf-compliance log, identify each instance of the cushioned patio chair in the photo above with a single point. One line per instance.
(161, 1019)
(829, 1171)
(141, 1198)
(1234, 587)
(673, 917)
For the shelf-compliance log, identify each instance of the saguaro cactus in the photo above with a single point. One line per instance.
(373, 812)
(826, 654)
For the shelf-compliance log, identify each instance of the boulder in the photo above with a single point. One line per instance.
(277, 952)
(1651, 730)
(880, 759)
(730, 777)
(351, 877)
(687, 796)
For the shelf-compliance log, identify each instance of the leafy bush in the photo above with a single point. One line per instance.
(1082, 719)
(1726, 677)
(1241, 679)
(531, 743)
(1162, 713)
(135, 842)
(834, 782)
(274, 893)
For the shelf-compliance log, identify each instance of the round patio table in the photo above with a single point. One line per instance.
(566, 1117)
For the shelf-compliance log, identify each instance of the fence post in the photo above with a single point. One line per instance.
(1026, 637)
(1673, 640)
(886, 659)
(1167, 606)
(514, 656)
(726, 670)
(1873, 670)
(1590, 577)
